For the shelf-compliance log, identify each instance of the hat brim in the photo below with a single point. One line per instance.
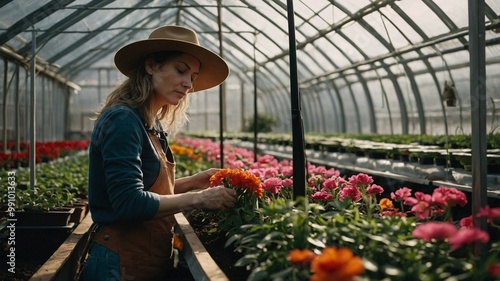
(213, 71)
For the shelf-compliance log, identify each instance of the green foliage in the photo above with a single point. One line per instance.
(265, 123)
(58, 184)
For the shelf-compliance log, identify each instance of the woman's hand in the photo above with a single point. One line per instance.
(202, 179)
(197, 181)
(218, 197)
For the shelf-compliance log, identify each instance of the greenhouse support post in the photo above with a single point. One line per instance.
(299, 162)
(222, 115)
(477, 53)
(32, 155)
(255, 111)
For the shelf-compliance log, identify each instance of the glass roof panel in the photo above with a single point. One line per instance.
(364, 40)
(399, 25)
(457, 12)
(21, 8)
(353, 6)
(424, 17)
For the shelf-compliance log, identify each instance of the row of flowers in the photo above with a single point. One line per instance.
(346, 227)
(45, 151)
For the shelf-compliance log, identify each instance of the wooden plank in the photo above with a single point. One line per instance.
(199, 261)
(65, 262)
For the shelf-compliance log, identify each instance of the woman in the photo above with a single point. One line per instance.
(133, 192)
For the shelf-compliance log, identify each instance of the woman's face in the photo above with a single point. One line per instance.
(173, 80)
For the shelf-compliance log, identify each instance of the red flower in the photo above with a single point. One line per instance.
(494, 270)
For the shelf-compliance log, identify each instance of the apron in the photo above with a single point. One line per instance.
(145, 247)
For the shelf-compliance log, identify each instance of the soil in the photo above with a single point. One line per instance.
(32, 249)
(214, 242)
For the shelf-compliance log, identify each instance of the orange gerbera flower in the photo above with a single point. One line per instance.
(236, 178)
(386, 203)
(336, 264)
(301, 257)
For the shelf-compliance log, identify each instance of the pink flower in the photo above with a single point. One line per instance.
(270, 172)
(420, 203)
(287, 183)
(401, 194)
(447, 196)
(322, 195)
(352, 192)
(466, 222)
(287, 171)
(256, 172)
(392, 213)
(489, 213)
(331, 173)
(361, 180)
(272, 185)
(329, 184)
(467, 236)
(374, 189)
(434, 230)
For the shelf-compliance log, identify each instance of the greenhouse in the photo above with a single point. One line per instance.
(250, 140)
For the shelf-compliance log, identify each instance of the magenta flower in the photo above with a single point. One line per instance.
(322, 195)
(392, 213)
(448, 196)
(272, 185)
(351, 192)
(434, 230)
(329, 184)
(420, 203)
(374, 189)
(466, 222)
(467, 236)
(361, 180)
(489, 213)
(331, 173)
(401, 194)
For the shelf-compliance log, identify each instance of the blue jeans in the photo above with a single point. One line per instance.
(102, 265)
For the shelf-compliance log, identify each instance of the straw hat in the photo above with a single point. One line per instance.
(213, 71)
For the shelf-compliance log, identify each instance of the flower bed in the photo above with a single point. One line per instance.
(351, 227)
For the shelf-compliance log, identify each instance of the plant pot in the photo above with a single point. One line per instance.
(50, 218)
(81, 210)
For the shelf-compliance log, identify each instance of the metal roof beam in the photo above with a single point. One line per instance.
(33, 18)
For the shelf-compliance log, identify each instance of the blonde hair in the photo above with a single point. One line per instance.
(137, 92)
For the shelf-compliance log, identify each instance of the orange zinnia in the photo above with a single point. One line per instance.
(301, 257)
(177, 242)
(386, 203)
(336, 264)
(237, 178)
